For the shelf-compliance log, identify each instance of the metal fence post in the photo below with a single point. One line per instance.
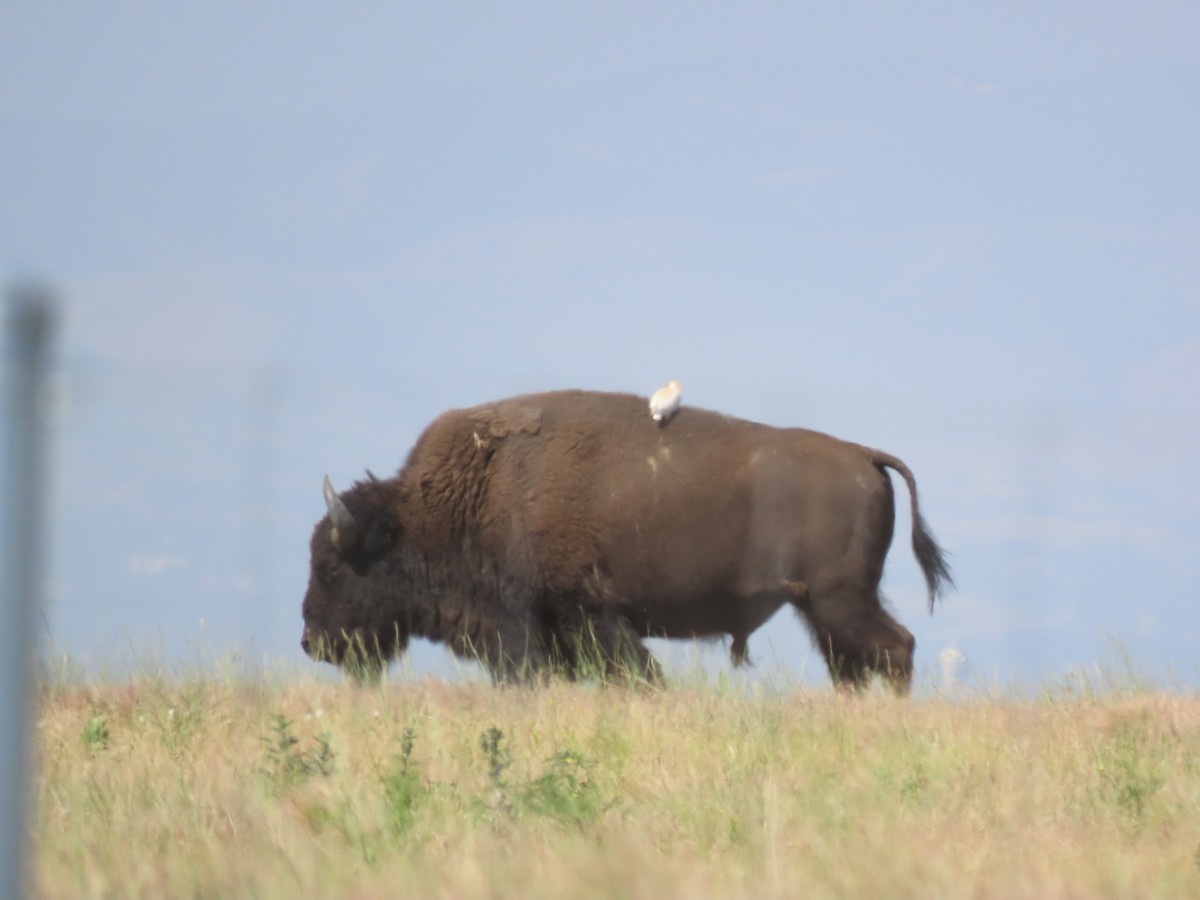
(30, 319)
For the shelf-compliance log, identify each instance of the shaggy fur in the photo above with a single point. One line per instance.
(565, 527)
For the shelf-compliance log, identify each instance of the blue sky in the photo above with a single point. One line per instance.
(286, 237)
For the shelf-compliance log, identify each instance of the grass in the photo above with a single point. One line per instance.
(222, 787)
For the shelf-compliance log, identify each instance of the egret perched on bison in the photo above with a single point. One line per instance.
(665, 401)
(555, 531)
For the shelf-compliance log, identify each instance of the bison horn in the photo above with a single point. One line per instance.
(345, 530)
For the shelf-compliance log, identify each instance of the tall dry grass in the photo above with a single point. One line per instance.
(219, 787)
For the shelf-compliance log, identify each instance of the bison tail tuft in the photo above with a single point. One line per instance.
(932, 560)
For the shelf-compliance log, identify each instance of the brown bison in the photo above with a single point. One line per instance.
(562, 528)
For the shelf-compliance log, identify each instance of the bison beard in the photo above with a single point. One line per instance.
(559, 529)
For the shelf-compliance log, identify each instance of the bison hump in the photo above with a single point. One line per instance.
(500, 420)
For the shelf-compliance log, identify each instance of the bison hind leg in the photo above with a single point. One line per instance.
(894, 658)
(853, 662)
(858, 639)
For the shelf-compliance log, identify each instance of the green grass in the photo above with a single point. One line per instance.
(223, 787)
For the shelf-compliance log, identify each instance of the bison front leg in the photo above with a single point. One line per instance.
(366, 671)
(604, 646)
(510, 650)
(367, 655)
(626, 657)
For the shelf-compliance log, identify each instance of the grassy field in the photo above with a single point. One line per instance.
(217, 787)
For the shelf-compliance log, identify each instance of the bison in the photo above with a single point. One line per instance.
(560, 529)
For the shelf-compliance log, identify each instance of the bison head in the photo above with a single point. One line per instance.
(351, 613)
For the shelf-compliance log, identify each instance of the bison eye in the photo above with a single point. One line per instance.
(327, 567)
(378, 541)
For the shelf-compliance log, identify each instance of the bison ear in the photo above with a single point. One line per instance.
(345, 529)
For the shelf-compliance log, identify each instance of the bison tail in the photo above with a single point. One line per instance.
(930, 556)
